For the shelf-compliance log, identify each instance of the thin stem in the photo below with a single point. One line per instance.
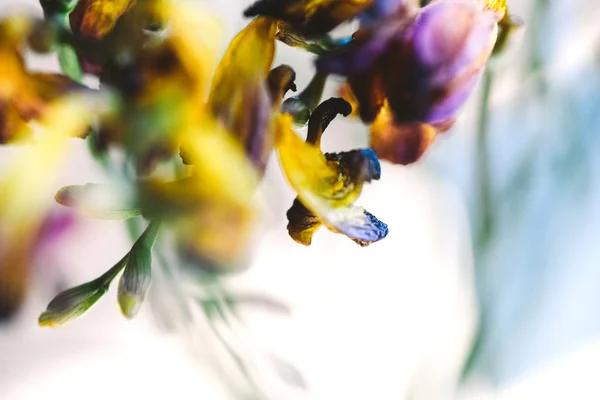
(67, 57)
(485, 218)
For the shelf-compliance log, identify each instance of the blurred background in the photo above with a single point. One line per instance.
(487, 286)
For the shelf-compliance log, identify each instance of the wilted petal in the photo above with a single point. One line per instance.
(302, 223)
(400, 142)
(322, 117)
(362, 52)
(327, 185)
(96, 18)
(239, 96)
(280, 81)
(310, 17)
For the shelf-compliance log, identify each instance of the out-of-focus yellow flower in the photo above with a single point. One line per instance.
(23, 95)
(96, 18)
(26, 185)
(327, 184)
(239, 95)
(210, 210)
(310, 17)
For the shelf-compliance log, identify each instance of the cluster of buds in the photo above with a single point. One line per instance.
(409, 68)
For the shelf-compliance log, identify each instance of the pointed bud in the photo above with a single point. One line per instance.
(74, 302)
(99, 201)
(136, 279)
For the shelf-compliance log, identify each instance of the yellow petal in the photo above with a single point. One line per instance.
(212, 210)
(309, 172)
(309, 16)
(195, 34)
(247, 59)
(239, 96)
(400, 142)
(100, 16)
(322, 189)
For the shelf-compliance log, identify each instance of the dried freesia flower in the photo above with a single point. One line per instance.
(309, 17)
(96, 18)
(211, 210)
(26, 185)
(412, 72)
(14, 278)
(23, 95)
(327, 184)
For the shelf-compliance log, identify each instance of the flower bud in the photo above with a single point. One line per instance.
(74, 302)
(98, 201)
(136, 279)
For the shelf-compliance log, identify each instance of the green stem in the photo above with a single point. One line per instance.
(112, 273)
(484, 220)
(67, 57)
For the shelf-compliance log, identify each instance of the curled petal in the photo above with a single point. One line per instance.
(326, 187)
(366, 46)
(302, 223)
(310, 17)
(322, 117)
(96, 18)
(346, 93)
(360, 165)
(358, 224)
(239, 96)
(246, 61)
(400, 142)
(309, 171)
(279, 82)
